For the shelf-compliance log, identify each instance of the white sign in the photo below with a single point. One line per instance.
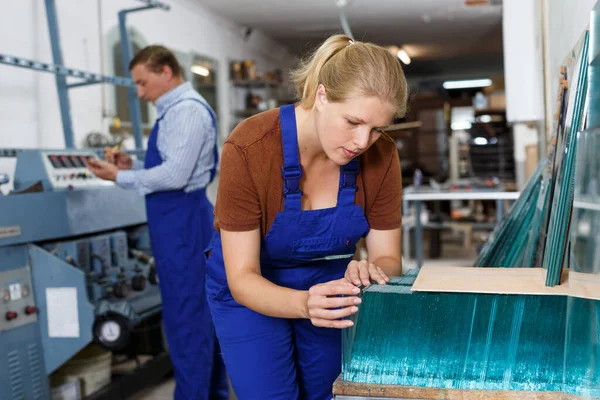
(63, 315)
(15, 291)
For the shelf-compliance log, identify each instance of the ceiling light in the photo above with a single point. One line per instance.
(403, 56)
(461, 126)
(473, 83)
(200, 70)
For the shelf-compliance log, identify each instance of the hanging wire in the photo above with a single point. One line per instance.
(341, 4)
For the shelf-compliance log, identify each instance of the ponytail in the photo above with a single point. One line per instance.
(348, 68)
(306, 77)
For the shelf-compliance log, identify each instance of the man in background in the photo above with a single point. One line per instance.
(180, 162)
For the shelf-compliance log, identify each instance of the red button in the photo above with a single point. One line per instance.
(10, 315)
(30, 310)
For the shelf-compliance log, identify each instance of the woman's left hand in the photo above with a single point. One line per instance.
(363, 272)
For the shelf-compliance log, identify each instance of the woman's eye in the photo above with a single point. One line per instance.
(352, 122)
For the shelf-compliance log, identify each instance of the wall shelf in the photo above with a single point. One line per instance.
(256, 84)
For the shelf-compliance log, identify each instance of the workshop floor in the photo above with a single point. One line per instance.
(163, 391)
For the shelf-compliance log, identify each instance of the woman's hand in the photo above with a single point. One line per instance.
(363, 272)
(330, 301)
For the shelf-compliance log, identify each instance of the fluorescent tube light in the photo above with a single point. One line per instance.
(200, 70)
(461, 126)
(403, 56)
(473, 83)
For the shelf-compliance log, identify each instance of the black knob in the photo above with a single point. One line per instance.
(10, 315)
(153, 276)
(120, 289)
(138, 283)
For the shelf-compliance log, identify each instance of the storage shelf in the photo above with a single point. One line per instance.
(257, 84)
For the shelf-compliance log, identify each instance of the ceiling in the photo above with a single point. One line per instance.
(444, 38)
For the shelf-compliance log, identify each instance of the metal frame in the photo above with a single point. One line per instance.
(126, 51)
(412, 195)
(61, 72)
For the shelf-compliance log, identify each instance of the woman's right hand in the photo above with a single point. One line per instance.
(326, 305)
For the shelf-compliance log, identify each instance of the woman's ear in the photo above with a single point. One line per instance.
(321, 96)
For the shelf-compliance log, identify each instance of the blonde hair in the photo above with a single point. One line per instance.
(347, 68)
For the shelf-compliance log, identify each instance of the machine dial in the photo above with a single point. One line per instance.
(111, 331)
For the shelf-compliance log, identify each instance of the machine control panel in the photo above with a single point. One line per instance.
(66, 169)
(17, 307)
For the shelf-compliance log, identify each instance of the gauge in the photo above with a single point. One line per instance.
(25, 290)
(111, 331)
(6, 295)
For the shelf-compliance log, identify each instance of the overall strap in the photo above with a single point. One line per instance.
(348, 188)
(291, 170)
(213, 117)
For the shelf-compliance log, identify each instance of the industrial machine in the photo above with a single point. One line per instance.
(75, 268)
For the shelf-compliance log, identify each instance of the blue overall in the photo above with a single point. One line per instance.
(288, 359)
(180, 226)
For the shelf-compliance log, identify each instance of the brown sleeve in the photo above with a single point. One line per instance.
(237, 208)
(386, 211)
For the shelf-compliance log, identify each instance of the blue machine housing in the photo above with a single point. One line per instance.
(22, 372)
(78, 235)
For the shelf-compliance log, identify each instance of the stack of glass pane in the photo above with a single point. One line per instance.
(535, 230)
(473, 341)
(560, 215)
(506, 342)
(507, 245)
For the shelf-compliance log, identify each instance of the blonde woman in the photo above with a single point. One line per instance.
(299, 187)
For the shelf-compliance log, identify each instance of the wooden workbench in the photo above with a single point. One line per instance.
(363, 390)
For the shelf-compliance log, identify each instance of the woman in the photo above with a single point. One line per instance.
(299, 187)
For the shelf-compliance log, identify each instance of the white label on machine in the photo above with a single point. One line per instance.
(15, 291)
(63, 315)
(10, 231)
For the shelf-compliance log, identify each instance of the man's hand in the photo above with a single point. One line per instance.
(102, 169)
(121, 159)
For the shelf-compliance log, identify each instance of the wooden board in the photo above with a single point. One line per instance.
(342, 388)
(505, 281)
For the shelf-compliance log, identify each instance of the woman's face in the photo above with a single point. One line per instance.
(347, 129)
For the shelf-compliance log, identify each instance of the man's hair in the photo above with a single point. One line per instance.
(155, 57)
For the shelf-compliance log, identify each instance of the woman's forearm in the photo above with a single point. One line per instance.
(391, 266)
(263, 296)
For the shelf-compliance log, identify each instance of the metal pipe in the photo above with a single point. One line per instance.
(135, 113)
(61, 80)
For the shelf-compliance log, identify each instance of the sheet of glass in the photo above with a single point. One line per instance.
(594, 70)
(470, 341)
(508, 242)
(585, 232)
(560, 214)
